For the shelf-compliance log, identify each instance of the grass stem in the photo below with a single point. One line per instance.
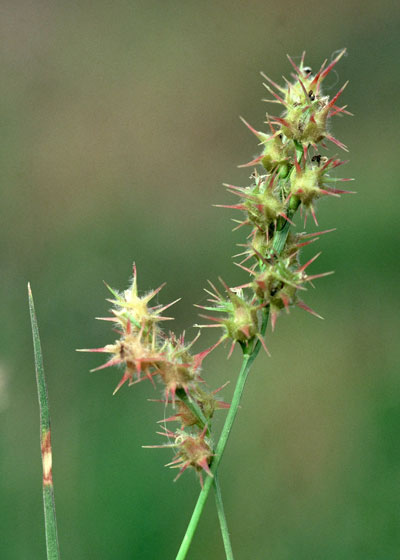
(250, 353)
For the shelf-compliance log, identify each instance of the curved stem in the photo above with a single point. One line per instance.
(196, 410)
(250, 352)
(248, 358)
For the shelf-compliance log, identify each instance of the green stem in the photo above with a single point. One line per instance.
(53, 552)
(222, 519)
(250, 352)
(248, 359)
(196, 410)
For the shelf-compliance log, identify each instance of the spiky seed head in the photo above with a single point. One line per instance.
(312, 182)
(134, 310)
(307, 110)
(138, 358)
(208, 402)
(305, 186)
(179, 368)
(276, 284)
(280, 281)
(186, 416)
(193, 451)
(276, 153)
(242, 324)
(176, 376)
(263, 208)
(139, 348)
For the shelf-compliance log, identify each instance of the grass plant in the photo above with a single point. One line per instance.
(288, 177)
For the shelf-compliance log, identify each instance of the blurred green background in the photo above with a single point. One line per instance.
(119, 123)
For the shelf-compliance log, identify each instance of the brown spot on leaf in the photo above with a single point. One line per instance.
(47, 459)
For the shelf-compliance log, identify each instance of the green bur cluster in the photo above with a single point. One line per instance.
(146, 351)
(291, 174)
(294, 176)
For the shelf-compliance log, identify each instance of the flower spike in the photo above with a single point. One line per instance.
(290, 174)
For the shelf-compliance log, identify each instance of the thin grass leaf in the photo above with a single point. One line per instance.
(53, 552)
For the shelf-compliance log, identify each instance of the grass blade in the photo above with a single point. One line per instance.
(53, 552)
